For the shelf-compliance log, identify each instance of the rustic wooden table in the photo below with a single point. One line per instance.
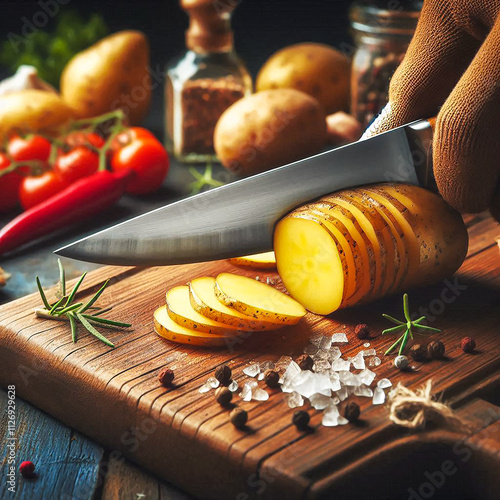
(81, 468)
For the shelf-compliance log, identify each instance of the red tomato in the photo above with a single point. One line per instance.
(85, 139)
(9, 186)
(32, 147)
(77, 163)
(131, 134)
(149, 161)
(33, 190)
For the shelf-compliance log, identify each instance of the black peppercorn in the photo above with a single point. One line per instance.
(166, 376)
(436, 349)
(418, 352)
(352, 411)
(301, 419)
(223, 396)
(238, 418)
(305, 362)
(272, 378)
(362, 331)
(223, 374)
(468, 344)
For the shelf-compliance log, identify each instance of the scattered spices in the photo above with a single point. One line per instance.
(352, 411)
(305, 362)
(27, 469)
(66, 309)
(418, 352)
(436, 349)
(166, 376)
(272, 378)
(362, 331)
(239, 418)
(406, 326)
(223, 396)
(401, 362)
(223, 374)
(301, 419)
(468, 344)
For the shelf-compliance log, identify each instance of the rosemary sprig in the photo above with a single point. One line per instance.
(406, 327)
(67, 310)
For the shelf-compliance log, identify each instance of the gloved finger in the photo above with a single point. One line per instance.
(436, 58)
(466, 149)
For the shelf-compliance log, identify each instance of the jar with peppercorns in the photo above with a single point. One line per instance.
(382, 36)
(204, 82)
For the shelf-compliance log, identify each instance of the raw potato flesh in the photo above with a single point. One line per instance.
(182, 312)
(345, 244)
(204, 301)
(362, 249)
(373, 235)
(257, 299)
(266, 260)
(167, 328)
(310, 264)
(400, 236)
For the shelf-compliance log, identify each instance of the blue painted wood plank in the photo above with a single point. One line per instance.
(67, 463)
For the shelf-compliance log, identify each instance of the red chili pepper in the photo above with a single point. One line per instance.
(87, 197)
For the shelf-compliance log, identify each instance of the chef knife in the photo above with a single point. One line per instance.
(238, 218)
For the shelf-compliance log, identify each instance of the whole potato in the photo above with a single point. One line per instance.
(32, 111)
(316, 69)
(269, 129)
(109, 75)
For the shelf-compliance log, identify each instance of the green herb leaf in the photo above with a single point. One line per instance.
(62, 278)
(106, 321)
(92, 301)
(72, 323)
(42, 294)
(92, 330)
(75, 289)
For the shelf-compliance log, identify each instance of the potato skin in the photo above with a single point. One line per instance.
(269, 129)
(316, 69)
(111, 74)
(32, 111)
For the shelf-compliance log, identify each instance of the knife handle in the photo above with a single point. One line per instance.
(420, 134)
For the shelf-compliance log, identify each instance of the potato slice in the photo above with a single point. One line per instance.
(257, 299)
(179, 308)
(348, 202)
(309, 263)
(401, 214)
(204, 301)
(354, 274)
(363, 248)
(399, 239)
(266, 260)
(167, 328)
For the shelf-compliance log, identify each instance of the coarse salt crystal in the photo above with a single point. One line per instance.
(266, 365)
(363, 390)
(375, 361)
(259, 394)
(246, 393)
(366, 344)
(252, 370)
(233, 386)
(378, 396)
(384, 383)
(334, 353)
(339, 338)
(321, 365)
(261, 376)
(213, 382)
(341, 364)
(204, 388)
(319, 401)
(358, 361)
(295, 400)
(369, 352)
(366, 376)
(311, 349)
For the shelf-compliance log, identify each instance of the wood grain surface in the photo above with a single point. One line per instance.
(113, 396)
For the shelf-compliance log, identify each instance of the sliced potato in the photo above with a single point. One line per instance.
(363, 248)
(179, 308)
(257, 299)
(266, 260)
(167, 328)
(373, 234)
(204, 301)
(355, 269)
(402, 259)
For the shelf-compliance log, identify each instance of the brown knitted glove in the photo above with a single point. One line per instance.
(452, 70)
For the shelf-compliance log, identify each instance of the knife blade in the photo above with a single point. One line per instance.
(238, 218)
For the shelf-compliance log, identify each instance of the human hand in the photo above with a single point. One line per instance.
(452, 70)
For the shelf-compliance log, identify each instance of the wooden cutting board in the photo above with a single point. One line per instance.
(113, 395)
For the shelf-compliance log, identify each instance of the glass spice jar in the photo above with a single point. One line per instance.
(382, 37)
(204, 82)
